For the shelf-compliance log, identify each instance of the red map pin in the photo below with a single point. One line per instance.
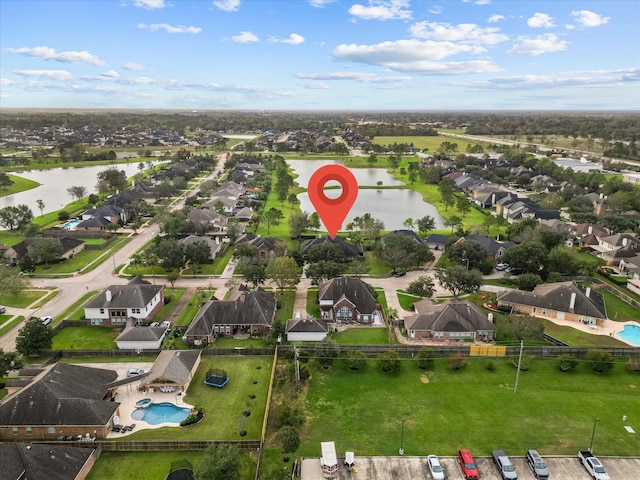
(333, 211)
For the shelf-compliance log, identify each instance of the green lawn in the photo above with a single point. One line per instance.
(406, 299)
(361, 336)
(432, 143)
(10, 238)
(9, 325)
(23, 299)
(174, 294)
(85, 338)
(286, 300)
(223, 406)
(128, 465)
(4, 317)
(215, 268)
(473, 407)
(230, 342)
(618, 309)
(578, 338)
(313, 307)
(189, 312)
(74, 312)
(20, 184)
(86, 260)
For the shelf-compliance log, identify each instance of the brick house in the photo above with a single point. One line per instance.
(347, 300)
(561, 300)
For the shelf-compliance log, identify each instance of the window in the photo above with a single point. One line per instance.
(28, 430)
(96, 321)
(344, 314)
(102, 310)
(51, 430)
(560, 315)
(534, 310)
(544, 311)
(14, 430)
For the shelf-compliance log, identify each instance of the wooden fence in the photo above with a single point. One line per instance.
(159, 445)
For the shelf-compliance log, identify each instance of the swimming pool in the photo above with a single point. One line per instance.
(631, 333)
(165, 412)
(72, 224)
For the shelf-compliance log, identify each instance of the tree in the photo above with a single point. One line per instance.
(469, 250)
(15, 216)
(453, 221)
(389, 361)
(234, 230)
(600, 360)
(77, 192)
(529, 257)
(371, 159)
(11, 282)
(175, 224)
(425, 358)
(323, 270)
(447, 188)
(220, 462)
(197, 253)
(9, 361)
(325, 251)
(34, 338)
(112, 179)
(426, 224)
(408, 223)
(421, 286)
(171, 253)
(41, 206)
(314, 221)
(326, 352)
(567, 362)
(289, 438)
(457, 361)
(253, 270)
(463, 205)
(518, 327)
(292, 198)
(173, 276)
(31, 230)
(5, 181)
(369, 226)
(284, 272)
(298, 223)
(43, 250)
(270, 217)
(356, 359)
(458, 279)
(396, 249)
(394, 162)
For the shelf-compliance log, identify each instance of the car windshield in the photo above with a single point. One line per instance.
(539, 465)
(599, 469)
(508, 468)
(436, 468)
(470, 466)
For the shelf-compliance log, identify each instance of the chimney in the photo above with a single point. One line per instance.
(590, 229)
(572, 302)
(625, 240)
(588, 292)
(108, 294)
(490, 317)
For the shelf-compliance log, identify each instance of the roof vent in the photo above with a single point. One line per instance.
(108, 294)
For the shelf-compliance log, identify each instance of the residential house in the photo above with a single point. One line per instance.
(613, 248)
(561, 300)
(268, 247)
(347, 300)
(70, 248)
(220, 204)
(65, 399)
(436, 241)
(212, 244)
(244, 311)
(140, 337)
(94, 224)
(172, 368)
(495, 249)
(204, 221)
(22, 461)
(307, 329)
(112, 213)
(117, 303)
(349, 251)
(487, 196)
(452, 320)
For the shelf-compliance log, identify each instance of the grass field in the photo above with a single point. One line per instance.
(361, 336)
(431, 143)
(23, 299)
(85, 338)
(472, 408)
(406, 299)
(74, 312)
(223, 406)
(174, 294)
(578, 338)
(20, 184)
(619, 310)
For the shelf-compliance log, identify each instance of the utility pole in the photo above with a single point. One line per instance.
(515, 388)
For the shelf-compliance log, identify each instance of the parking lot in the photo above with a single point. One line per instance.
(414, 468)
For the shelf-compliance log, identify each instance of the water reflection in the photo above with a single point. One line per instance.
(364, 176)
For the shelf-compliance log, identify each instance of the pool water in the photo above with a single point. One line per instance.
(72, 224)
(631, 333)
(158, 413)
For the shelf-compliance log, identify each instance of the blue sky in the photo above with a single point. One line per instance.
(321, 54)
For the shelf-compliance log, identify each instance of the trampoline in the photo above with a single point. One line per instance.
(216, 378)
(180, 470)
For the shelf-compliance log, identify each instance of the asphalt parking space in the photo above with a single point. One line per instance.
(415, 468)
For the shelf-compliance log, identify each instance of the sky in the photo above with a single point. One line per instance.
(321, 54)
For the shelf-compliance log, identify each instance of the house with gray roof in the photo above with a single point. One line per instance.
(117, 303)
(349, 251)
(561, 300)
(112, 213)
(173, 368)
(140, 337)
(307, 329)
(66, 399)
(268, 247)
(22, 461)
(70, 248)
(451, 320)
(213, 246)
(244, 311)
(494, 248)
(204, 221)
(347, 300)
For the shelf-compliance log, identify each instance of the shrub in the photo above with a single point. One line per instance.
(289, 439)
(63, 215)
(457, 361)
(566, 362)
(600, 360)
(529, 281)
(390, 361)
(491, 366)
(356, 360)
(289, 413)
(633, 364)
(525, 363)
(425, 358)
(197, 413)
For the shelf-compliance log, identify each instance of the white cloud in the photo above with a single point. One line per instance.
(154, 27)
(382, 10)
(320, 3)
(132, 66)
(464, 33)
(149, 4)
(541, 20)
(58, 75)
(316, 86)
(495, 18)
(293, 39)
(6, 81)
(48, 53)
(547, 43)
(245, 37)
(111, 74)
(353, 76)
(227, 5)
(587, 18)
(436, 10)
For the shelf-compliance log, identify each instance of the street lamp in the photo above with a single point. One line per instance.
(593, 433)
(402, 439)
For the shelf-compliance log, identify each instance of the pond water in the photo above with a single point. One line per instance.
(364, 176)
(54, 183)
(392, 206)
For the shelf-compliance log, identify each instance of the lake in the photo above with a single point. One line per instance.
(364, 176)
(54, 183)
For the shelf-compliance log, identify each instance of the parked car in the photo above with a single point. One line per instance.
(503, 464)
(155, 324)
(437, 473)
(132, 372)
(2, 310)
(167, 325)
(502, 266)
(46, 320)
(468, 465)
(536, 464)
(399, 274)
